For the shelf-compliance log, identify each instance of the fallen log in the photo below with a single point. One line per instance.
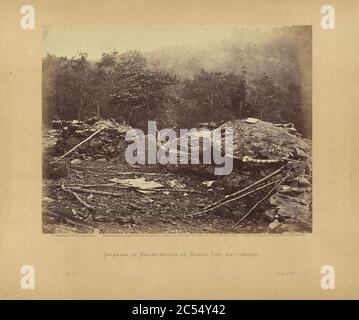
(104, 193)
(81, 143)
(246, 188)
(80, 188)
(77, 197)
(232, 200)
(121, 172)
(144, 173)
(259, 202)
(93, 185)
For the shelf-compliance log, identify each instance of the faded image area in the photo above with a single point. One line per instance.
(177, 129)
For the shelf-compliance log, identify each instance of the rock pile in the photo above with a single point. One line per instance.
(265, 140)
(103, 146)
(289, 208)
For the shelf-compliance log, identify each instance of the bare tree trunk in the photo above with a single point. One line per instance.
(240, 110)
(211, 105)
(132, 110)
(211, 99)
(80, 109)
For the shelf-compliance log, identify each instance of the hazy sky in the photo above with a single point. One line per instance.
(94, 40)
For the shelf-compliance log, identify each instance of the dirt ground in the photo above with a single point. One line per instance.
(131, 211)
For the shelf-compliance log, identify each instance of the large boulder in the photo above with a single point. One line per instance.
(264, 140)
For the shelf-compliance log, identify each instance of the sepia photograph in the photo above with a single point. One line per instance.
(185, 150)
(167, 129)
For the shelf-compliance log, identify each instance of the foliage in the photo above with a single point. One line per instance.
(215, 92)
(180, 87)
(136, 87)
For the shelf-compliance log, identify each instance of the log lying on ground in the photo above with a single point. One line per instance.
(260, 201)
(82, 188)
(232, 199)
(77, 197)
(235, 194)
(103, 193)
(80, 168)
(144, 173)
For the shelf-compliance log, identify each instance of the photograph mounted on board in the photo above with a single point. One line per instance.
(177, 129)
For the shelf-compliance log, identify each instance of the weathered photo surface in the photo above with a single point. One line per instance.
(177, 129)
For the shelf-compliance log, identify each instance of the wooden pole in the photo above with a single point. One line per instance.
(81, 143)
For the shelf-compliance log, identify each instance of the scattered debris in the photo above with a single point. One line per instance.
(208, 183)
(174, 183)
(274, 224)
(251, 120)
(75, 161)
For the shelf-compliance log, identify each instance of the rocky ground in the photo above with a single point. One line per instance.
(94, 191)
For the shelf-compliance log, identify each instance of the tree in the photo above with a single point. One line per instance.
(235, 88)
(81, 74)
(135, 86)
(103, 82)
(217, 93)
(50, 66)
(294, 106)
(67, 85)
(263, 94)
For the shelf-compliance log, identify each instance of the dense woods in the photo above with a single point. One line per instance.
(266, 75)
